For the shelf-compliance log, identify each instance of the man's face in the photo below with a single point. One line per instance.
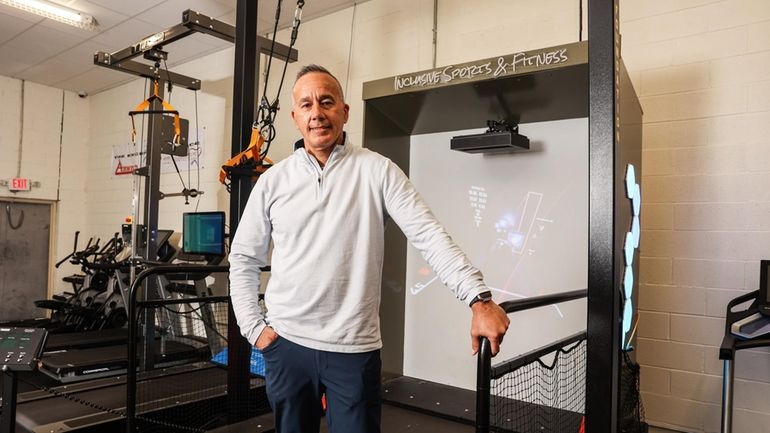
(319, 110)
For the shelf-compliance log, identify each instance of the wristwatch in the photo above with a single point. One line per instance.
(484, 296)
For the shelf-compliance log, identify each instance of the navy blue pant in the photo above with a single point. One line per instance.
(296, 376)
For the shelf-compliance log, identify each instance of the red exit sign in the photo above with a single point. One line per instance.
(20, 184)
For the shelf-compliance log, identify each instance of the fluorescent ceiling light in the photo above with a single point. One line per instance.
(55, 12)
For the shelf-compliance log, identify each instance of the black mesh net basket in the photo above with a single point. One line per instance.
(542, 391)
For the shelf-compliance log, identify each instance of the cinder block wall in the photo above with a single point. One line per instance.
(39, 159)
(702, 71)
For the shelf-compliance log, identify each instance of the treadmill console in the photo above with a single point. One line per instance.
(20, 348)
(763, 298)
(753, 326)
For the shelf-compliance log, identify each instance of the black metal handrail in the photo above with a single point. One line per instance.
(133, 322)
(484, 369)
(542, 301)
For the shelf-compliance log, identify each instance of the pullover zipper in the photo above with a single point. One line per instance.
(320, 171)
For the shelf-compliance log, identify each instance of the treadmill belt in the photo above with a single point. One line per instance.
(82, 340)
(83, 361)
(58, 414)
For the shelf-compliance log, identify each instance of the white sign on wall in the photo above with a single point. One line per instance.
(128, 157)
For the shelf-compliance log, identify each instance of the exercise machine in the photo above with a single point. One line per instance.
(747, 325)
(19, 351)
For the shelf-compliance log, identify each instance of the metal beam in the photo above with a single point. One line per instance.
(159, 39)
(604, 312)
(204, 24)
(281, 51)
(210, 26)
(144, 70)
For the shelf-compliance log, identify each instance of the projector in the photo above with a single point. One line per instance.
(500, 137)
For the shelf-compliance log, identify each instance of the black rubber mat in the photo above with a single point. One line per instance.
(394, 420)
(421, 395)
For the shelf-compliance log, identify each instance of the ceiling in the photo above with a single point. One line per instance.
(48, 52)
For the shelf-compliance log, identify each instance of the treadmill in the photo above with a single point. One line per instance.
(198, 385)
(79, 356)
(75, 365)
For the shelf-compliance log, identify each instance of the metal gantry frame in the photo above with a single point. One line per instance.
(248, 46)
(192, 22)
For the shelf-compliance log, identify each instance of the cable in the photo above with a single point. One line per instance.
(435, 31)
(350, 49)
(178, 173)
(294, 33)
(196, 312)
(268, 111)
(61, 145)
(170, 84)
(8, 214)
(580, 20)
(21, 129)
(197, 151)
(272, 48)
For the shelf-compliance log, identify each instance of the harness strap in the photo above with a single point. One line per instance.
(252, 153)
(167, 109)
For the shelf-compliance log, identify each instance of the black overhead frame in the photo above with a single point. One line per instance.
(246, 64)
(192, 22)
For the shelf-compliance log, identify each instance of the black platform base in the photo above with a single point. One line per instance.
(394, 420)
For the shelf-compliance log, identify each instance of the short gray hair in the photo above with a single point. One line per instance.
(311, 68)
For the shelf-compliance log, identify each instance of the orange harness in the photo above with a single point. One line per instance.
(252, 153)
(144, 108)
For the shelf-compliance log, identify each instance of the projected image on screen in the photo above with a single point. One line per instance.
(505, 239)
(522, 219)
(203, 233)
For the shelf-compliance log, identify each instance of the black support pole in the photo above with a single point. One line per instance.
(483, 385)
(150, 218)
(603, 341)
(8, 418)
(245, 87)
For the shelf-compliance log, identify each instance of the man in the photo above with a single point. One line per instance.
(325, 208)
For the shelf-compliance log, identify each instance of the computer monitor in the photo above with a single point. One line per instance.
(763, 299)
(203, 233)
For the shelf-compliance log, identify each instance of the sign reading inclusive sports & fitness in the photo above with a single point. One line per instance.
(493, 67)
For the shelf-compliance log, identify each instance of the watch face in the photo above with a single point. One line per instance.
(485, 296)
